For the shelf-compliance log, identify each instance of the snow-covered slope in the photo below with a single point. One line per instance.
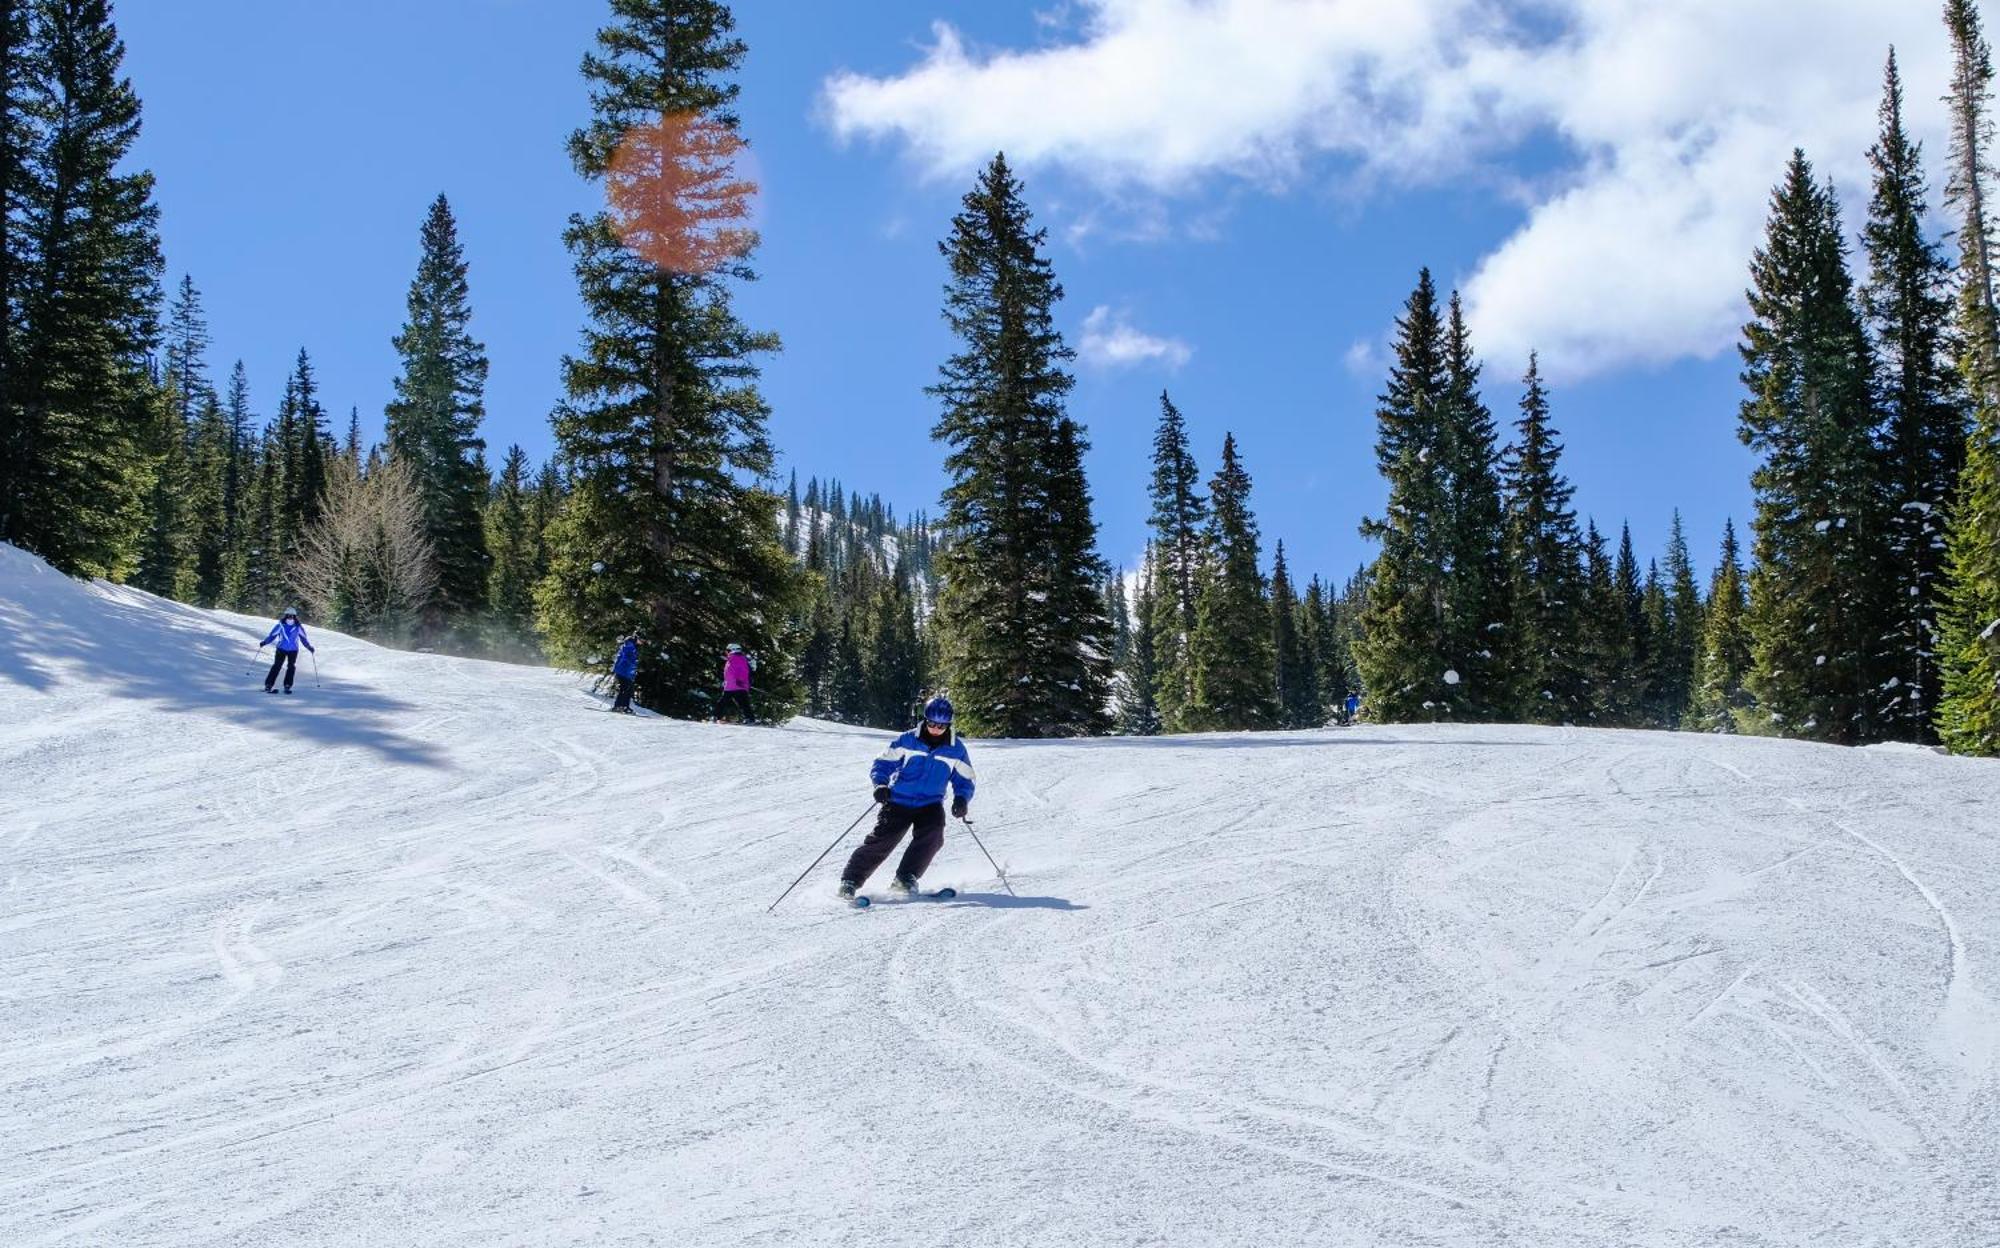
(436, 954)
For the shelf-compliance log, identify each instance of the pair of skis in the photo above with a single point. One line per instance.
(861, 901)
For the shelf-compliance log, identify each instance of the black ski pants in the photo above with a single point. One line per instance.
(624, 700)
(738, 698)
(928, 821)
(287, 659)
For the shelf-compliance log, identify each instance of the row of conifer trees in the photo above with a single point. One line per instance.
(1870, 608)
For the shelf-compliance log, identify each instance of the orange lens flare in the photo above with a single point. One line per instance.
(678, 194)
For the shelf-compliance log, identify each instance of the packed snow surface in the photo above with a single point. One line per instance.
(434, 952)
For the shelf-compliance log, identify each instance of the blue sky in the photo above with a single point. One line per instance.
(1239, 195)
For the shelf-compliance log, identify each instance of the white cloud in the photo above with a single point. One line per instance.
(1673, 120)
(1111, 341)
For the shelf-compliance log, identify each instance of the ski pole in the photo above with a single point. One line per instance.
(989, 857)
(315, 655)
(822, 858)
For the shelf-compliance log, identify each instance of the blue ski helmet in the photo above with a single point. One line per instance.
(938, 711)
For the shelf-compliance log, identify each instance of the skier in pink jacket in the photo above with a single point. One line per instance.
(736, 685)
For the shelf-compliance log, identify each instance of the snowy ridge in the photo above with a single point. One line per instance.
(437, 954)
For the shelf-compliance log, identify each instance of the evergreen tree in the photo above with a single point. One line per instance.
(1319, 635)
(1403, 647)
(1631, 683)
(79, 415)
(433, 422)
(847, 692)
(1969, 716)
(1656, 630)
(1179, 520)
(1230, 652)
(16, 256)
(211, 463)
(510, 539)
(663, 435)
(1681, 644)
(1120, 614)
(1972, 134)
(1298, 683)
(1139, 681)
(1476, 607)
(300, 442)
(1546, 590)
(1024, 636)
(166, 552)
(1721, 701)
(1606, 643)
(1908, 305)
(792, 546)
(896, 660)
(1816, 613)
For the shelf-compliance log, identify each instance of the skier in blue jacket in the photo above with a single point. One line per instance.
(910, 779)
(289, 635)
(625, 668)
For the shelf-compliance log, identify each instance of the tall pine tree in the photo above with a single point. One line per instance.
(1972, 134)
(79, 415)
(1907, 300)
(1235, 685)
(1024, 638)
(433, 422)
(1403, 648)
(1721, 702)
(1476, 606)
(1179, 520)
(1817, 617)
(1138, 682)
(1546, 580)
(1298, 682)
(666, 527)
(1680, 644)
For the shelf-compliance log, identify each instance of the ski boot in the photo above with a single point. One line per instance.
(905, 884)
(847, 890)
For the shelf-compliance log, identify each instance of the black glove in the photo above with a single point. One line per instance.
(958, 808)
(881, 795)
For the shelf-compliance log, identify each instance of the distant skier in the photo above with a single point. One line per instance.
(1353, 706)
(289, 635)
(735, 684)
(910, 779)
(625, 670)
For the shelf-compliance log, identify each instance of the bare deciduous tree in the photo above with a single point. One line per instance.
(367, 567)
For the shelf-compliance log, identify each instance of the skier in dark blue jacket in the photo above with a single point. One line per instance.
(910, 779)
(289, 635)
(625, 669)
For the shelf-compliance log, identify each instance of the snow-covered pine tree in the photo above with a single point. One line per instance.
(895, 661)
(1907, 301)
(1477, 614)
(78, 417)
(1402, 646)
(1139, 681)
(1023, 637)
(1972, 136)
(1179, 522)
(1817, 609)
(1546, 592)
(1298, 682)
(1234, 669)
(666, 526)
(1681, 645)
(433, 421)
(1720, 701)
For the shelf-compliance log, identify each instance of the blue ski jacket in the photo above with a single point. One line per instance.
(289, 636)
(626, 665)
(917, 774)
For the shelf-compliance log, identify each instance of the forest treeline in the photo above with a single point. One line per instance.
(1862, 602)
